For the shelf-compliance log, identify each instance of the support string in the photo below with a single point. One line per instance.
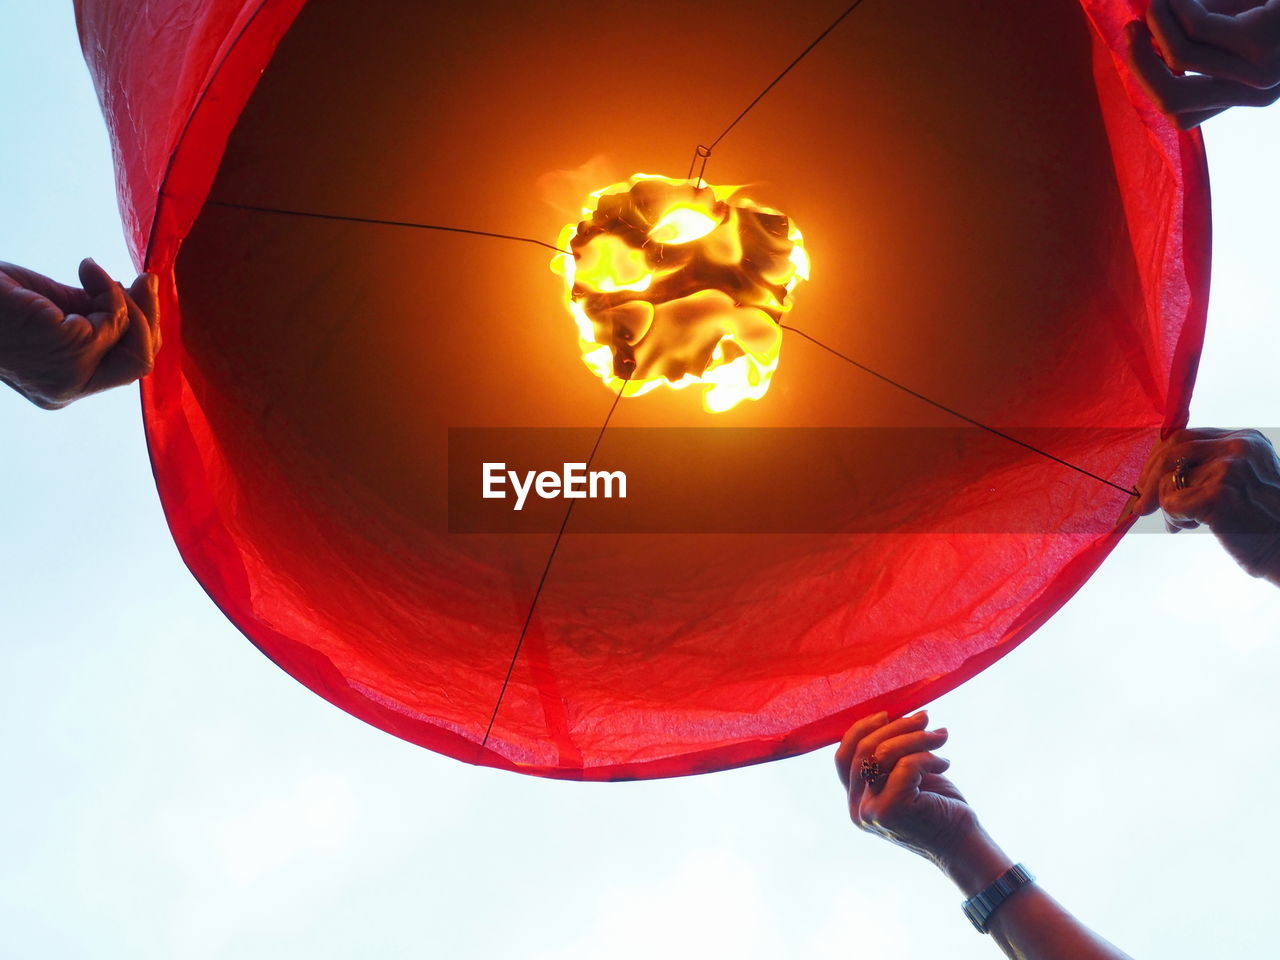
(384, 223)
(956, 413)
(546, 570)
(704, 152)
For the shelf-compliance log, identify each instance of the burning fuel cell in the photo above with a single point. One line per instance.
(681, 283)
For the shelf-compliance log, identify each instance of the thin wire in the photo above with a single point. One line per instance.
(705, 151)
(956, 413)
(705, 154)
(791, 66)
(546, 570)
(384, 223)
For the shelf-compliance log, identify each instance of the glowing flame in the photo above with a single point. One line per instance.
(680, 283)
(683, 224)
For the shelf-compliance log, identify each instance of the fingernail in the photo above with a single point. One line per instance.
(941, 731)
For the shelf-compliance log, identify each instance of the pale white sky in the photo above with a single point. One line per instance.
(169, 793)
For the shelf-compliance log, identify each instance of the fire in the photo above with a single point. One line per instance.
(680, 283)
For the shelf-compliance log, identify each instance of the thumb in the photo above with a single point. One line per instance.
(108, 313)
(145, 292)
(93, 278)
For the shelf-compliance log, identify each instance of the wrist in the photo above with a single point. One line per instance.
(974, 862)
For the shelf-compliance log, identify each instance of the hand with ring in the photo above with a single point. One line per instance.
(896, 788)
(1228, 480)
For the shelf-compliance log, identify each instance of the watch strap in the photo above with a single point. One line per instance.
(980, 907)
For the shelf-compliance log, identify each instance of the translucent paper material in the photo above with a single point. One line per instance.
(996, 215)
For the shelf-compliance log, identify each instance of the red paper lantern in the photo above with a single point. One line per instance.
(998, 219)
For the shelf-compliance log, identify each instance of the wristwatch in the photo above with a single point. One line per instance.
(980, 907)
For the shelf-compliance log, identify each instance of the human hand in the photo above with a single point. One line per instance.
(60, 343)
(1228, 480)
(1213, 54)
(908, 801)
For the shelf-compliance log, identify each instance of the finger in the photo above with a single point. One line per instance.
(1188, 121)
(1182, 52)
(1167, 485)
(1182, 516)
(1246, 445)
(895, 728)
(109, 309)
(1160, 464)
(867, 746)
(1165, 454)
(1187, 434)
(1151, 71)
(909, 773)
(1195, 94)
(110, 317)
(1220, 478)
(849, 743)
(1178, 524)
(1222, 500)
(922, 741)
(1187, 95)
(1200, 500)
(153, 290)
(132, 357)
(21, 298)
(1148, 496)
(66, 298)
(145, 292)
(1157, 476)
(97, 282)
(1232, 34)
(1148, 499)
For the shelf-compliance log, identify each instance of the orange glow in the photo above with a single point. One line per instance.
(683, 224)
(683, 283)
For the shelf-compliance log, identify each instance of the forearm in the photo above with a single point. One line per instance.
(1030, 924)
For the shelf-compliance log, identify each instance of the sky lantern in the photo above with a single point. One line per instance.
(709, 487)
